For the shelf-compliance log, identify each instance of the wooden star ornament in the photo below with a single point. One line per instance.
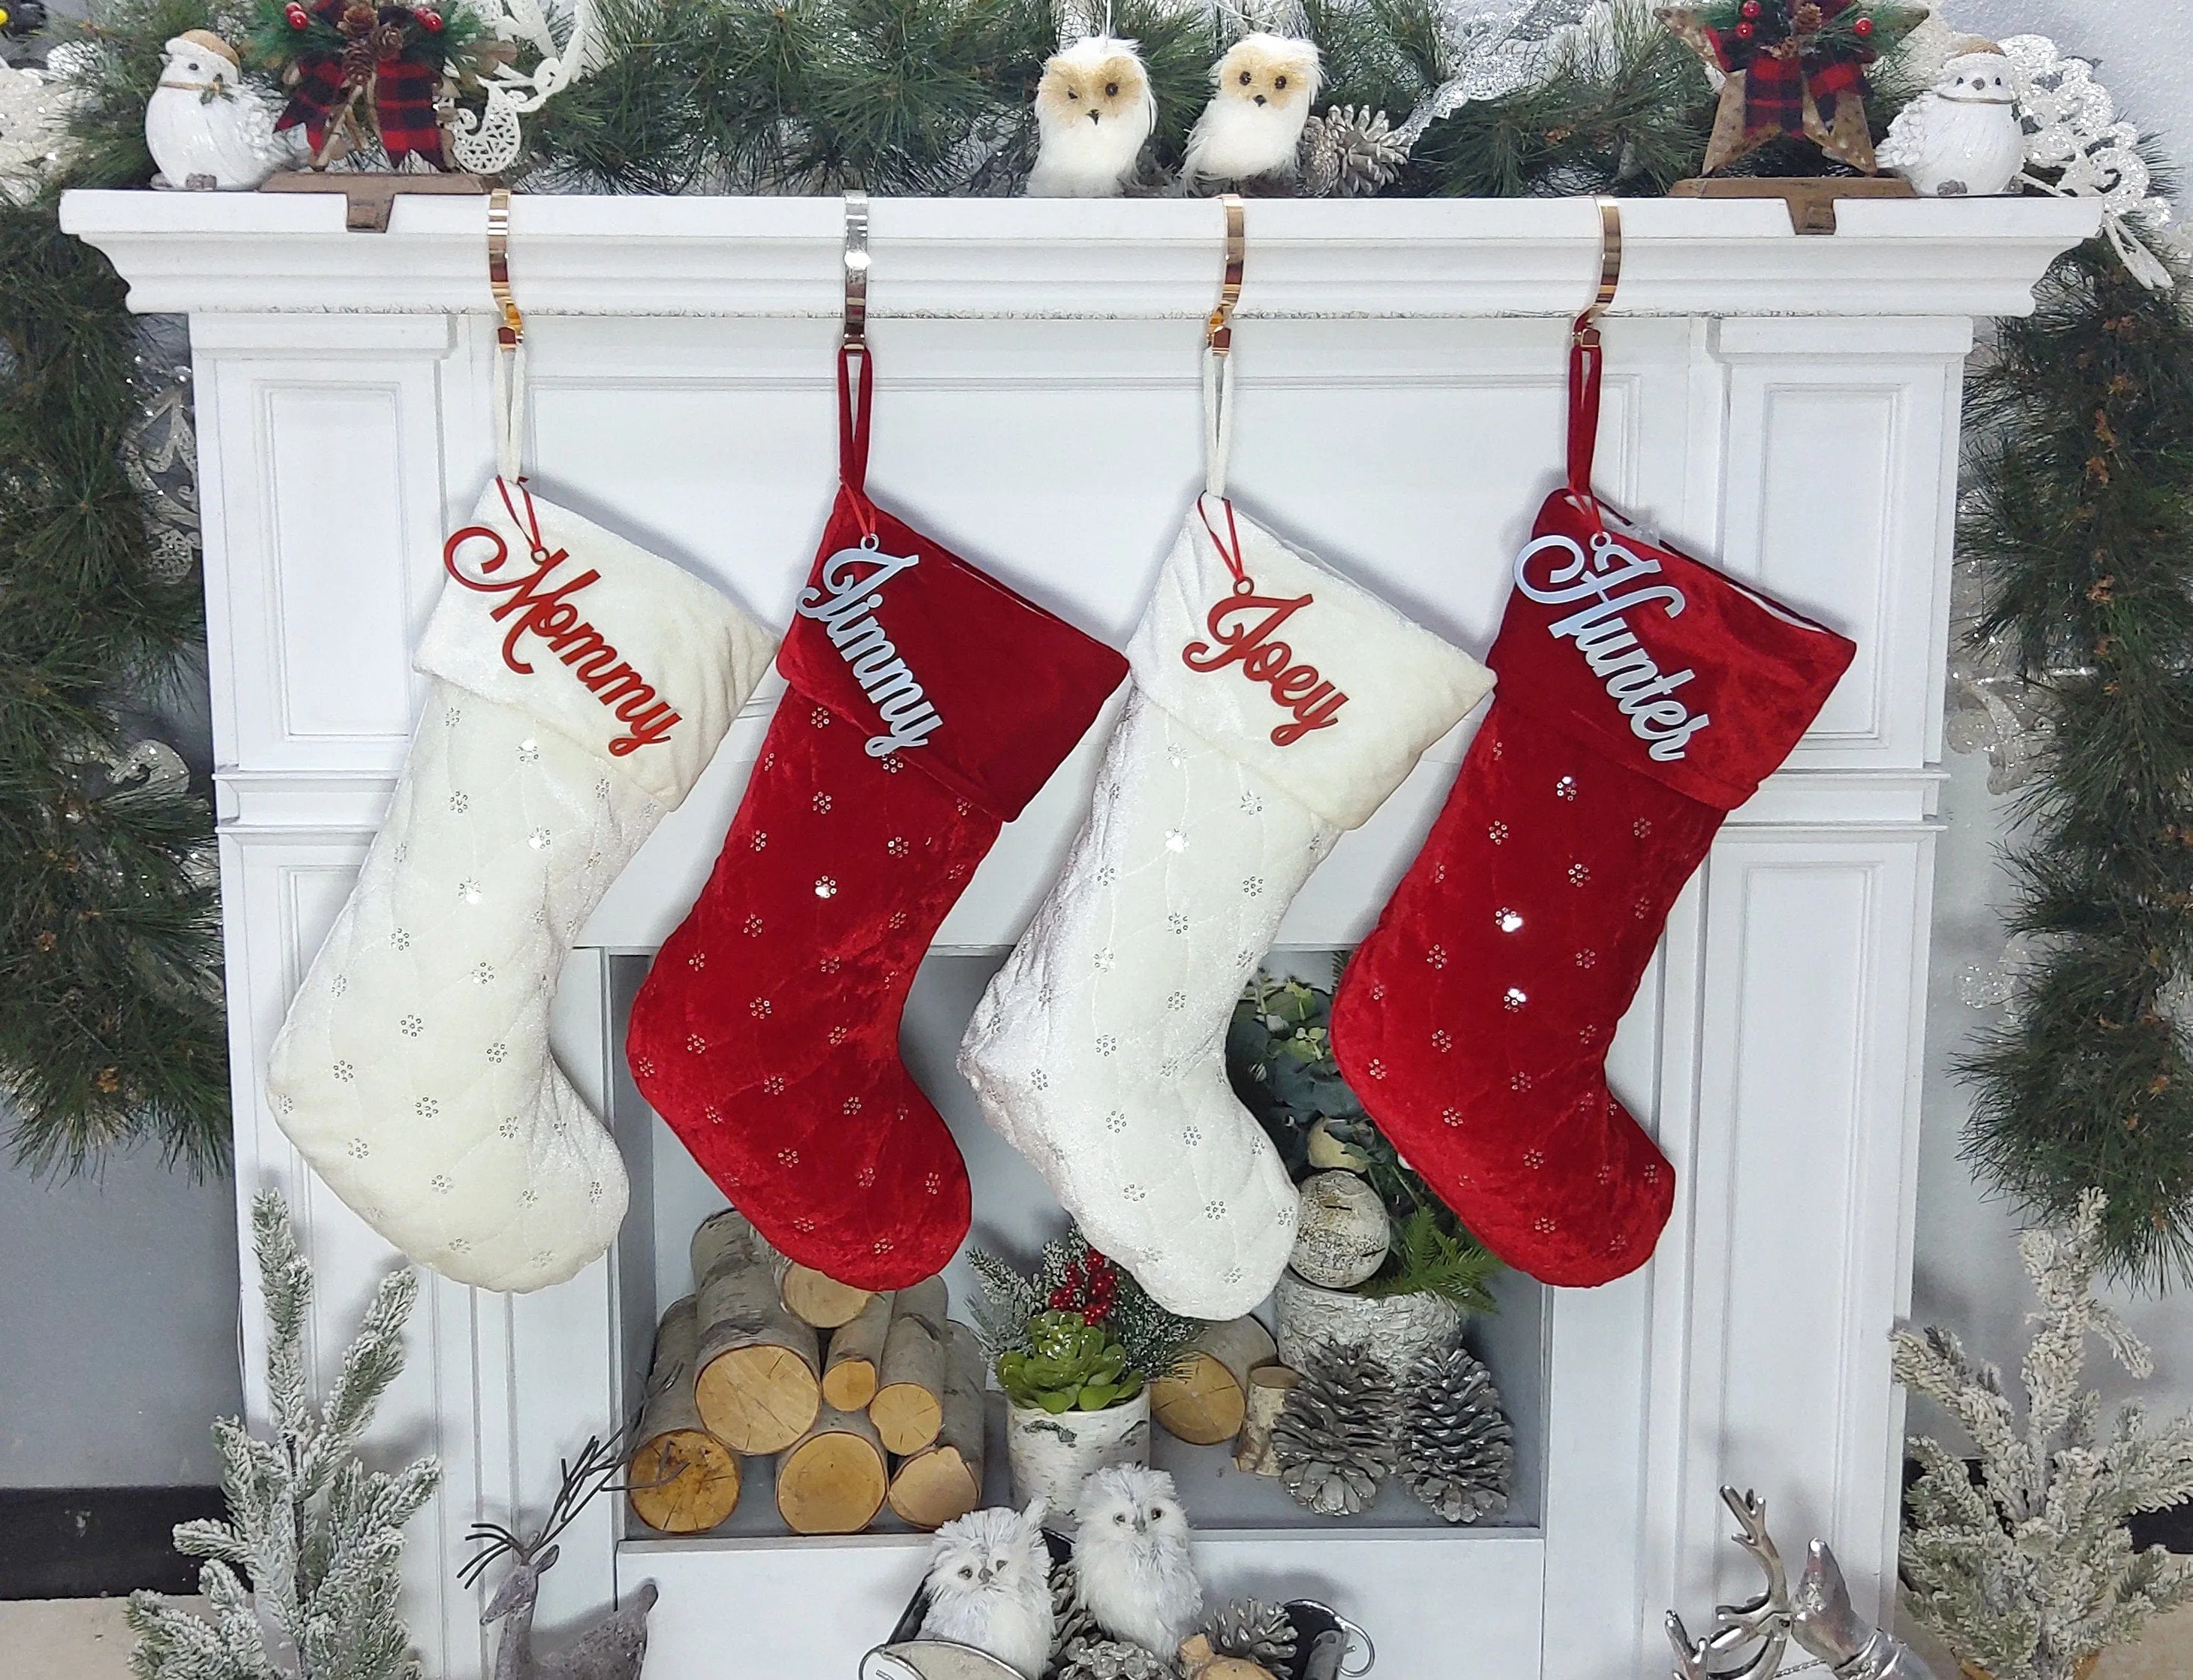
(1792, 67)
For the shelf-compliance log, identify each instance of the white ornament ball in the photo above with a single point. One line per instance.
(1343, 1233)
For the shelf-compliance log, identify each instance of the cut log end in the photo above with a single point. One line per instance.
(851, 1384)
(1201, 1403)
(908, 1416)
(932, 1488)
(759, 1398)
(834, 1480)
(683, 1482)
(822, 1301)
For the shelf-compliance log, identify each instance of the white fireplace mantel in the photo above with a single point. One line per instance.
(1787, 405)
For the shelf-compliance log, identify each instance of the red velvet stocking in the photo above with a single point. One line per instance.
(927, 704)
(1642, 695)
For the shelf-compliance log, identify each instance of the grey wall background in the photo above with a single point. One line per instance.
(117, 1293)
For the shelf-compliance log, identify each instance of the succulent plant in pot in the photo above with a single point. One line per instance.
(1076, 1345)
(1069, 1365)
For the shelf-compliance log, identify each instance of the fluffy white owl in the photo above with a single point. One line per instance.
(989, 1586)
(1254, 122)
(1093, 110)
(203, 126)
(1961, 136)
(1130, 1563)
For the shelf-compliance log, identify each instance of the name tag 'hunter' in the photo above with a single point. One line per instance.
(844, 606)
(1640, 691)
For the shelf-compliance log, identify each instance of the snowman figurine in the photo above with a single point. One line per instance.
(205, 129)
(1961, 137)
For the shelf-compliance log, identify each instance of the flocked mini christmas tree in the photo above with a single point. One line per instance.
(318, 1536)
(2029, 1569)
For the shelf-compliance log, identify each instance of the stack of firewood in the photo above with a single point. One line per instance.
(861, 1399)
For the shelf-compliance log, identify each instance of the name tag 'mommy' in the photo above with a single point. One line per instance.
(1640, 691)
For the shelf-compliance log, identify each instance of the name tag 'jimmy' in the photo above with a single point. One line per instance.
(844, 605)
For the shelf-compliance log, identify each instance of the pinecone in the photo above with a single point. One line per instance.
(1334, 1439)
(1350, 152)
(1102, 1659)
(1263, 1633)
(1456, 1452)
(1074, 1629)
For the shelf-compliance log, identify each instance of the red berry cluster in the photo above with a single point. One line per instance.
(295, 15)
(430, 21)
(1090, 1293)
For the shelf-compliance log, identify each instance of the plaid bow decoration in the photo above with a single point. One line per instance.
(402, 90)
(1784, 62)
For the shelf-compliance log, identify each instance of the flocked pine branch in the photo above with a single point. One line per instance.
(2027, 1567)
(318, 1536)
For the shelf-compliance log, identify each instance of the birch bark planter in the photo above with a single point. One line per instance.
(1053, 1453)
(1395, 1328)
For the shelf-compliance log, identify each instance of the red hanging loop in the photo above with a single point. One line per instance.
(853, 427)
(1588, 359)
(1231, 554)
(530, 522)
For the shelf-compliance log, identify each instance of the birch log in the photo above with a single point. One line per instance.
(908, 1408)
(820, 1301)
(1205, 1397)
(760, 1369)
(831, 1481)
(1269, 1385)
(856, 1348)
(945, 1481)
(684, 1480)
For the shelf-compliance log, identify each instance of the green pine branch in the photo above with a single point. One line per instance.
(2080, 505)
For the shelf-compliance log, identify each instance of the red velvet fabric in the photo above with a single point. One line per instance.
(1474, 1021)
(767, 1033)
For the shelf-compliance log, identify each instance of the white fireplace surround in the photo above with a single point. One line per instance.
(1786, 405)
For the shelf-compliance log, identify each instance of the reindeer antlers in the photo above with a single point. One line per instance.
(595, 1471)
(1763, 1621)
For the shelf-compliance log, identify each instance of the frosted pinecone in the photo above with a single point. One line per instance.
(1349, 152)
(1334, 1438)
(1263, 1633)
(1102, 1659)
(1074, 1629)
(1456, 1451)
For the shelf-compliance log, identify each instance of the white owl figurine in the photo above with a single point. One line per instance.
(989, 1586)
(203, 126)
(1131, 1562)
(1253, 125)
(1093, 110)
(1961, 136)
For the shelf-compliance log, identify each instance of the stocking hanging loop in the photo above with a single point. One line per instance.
(509, 341)
(1217, 354)
(1587, 358)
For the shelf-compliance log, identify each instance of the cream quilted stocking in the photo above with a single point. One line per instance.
(579, 687)
(1275, 706)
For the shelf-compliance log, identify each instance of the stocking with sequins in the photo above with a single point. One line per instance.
(1275, 706)
(927, 703)
(579, 687)
(1643, 696)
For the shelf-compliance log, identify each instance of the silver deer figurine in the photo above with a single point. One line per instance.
(613, 1648)
(1819, 1616)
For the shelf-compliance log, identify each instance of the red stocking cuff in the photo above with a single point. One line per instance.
(1666, 665)
(968, 681)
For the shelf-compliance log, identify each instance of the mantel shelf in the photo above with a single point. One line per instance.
(1146, 259)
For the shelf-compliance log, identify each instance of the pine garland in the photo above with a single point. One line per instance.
(2079, 508)
(111, 1021)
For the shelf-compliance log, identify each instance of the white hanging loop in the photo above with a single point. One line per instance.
(1218, 356)
(510, 342)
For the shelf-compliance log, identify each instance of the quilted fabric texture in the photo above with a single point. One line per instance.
(1098, 1050)
(1642, 695)
(413, 1071)
(767, 1032)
